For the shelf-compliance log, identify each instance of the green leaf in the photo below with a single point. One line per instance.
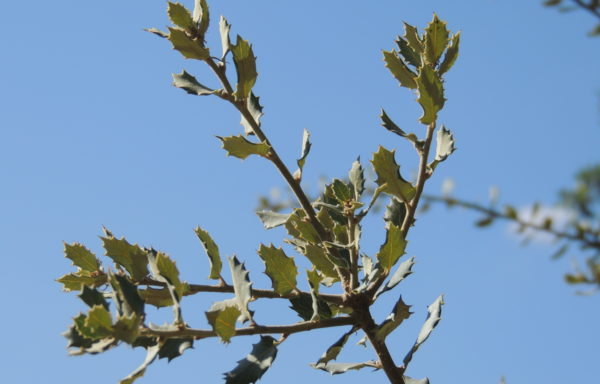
(357, 178)
(245, 64)
(281, 269)
(431, 94)
(392, 249)
(75, 281)
(414, 40)
(436, 40)
(157, 32)
(403, 271)
(395, 212)
(256, 111)
(338, 368)
(92, 297)
(241, 286)
(400, 313)
(388, 176)
(303, 306)
(81, 257)
(510, 212)
(399, 69)
(334, 350)
(212, 251)
(127, 328)
(180, 16)
(76, 339)
(306, 144)
(314, 279)
(485, 222)
(451, 54)
(409, 54)
(151, 354)
(241, 148)
(341, 191)
(254, 365)
(173, 348)
(434, 314)
(201, 16)
(189, 84)
(131, 257)
(188, 47)
(300, 228)
(157, 297)
(97, 324)
(318, 258)
(444, 144)
(224, 28)
(223, 321)
(165, 271)
(272, 219)
(125, 295)
(389, 124)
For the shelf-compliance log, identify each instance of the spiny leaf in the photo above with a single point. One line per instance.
(212, 251)
(188, 47)
(314, 279)
(341, 191)
(189, 84)
(412, 37)
(256, 111)
(451, 54)
(127, 328)
(151, 354)
(357, 178)
(389, 124)
(409, 54)
(74, 281)
(241, 286)
(125, 295)
(245, 64)
(223, 321)
(433, 318)
(254, 365)
(81, 257)
(337, 368)
(403, 271)
(173, 348)
(241, 148)
(303, 306)
(395, 212)
(131, 257)
(436, 40)
(180, 16)
(399, 69)
(299, 228)
(281, 269)
(392, 249)
(201, 17)
(306, 144)
(431, 94)
(224, 28)
(334, 350)
(272, 219)
(165, 271)
(157, 32)
(400, 313)
(157, 297)
(444, 144)
(97, 324)
(318, 258)
(388, 176)
(92, 297)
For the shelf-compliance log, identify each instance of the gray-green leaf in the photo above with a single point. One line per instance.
(254, 365)
(245, 64)
(388, 175)
(241, 286)
(189, 84)
(281, 269)
(433, 318)
(392, 249)
(212, 251)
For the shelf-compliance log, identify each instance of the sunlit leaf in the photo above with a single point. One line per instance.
(82, 257)
(189, 84)
(245, 64)
(241, 286)
(392, 249)
(201, 16)
(180, 16)
(436, 40)
(224, 28)
(444, 144)
(399, 69)
(281, 269)
(131, 257)
(451, 54)
(414, 40)
(241, 148)
(188, 47)
(357, 178)
(212, 251)
(388, 175)
(223, 321)
(272, 219)
(338, 368)
(151, 354)
(306, 144)
(434, 314)
(431, 94)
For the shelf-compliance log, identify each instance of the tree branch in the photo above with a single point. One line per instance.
(588, 7)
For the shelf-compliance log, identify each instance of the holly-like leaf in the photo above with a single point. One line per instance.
(392, 249)
(434, 314)
(254, 365)
(165, 271)
(75, 281)
(314, 279)
(409, 54)
(431, 94)
(444, 144)
(223, 320)
(256, 111)
(82, 257)
(306, 144)
(318, 258)
(399, 69)
(188, 47)
(97, 324)
(334, 350)
(388, 176)
(224, 28)
(395, 213)
(414, 40)
(403, 271)
(389, 124)
(131, 257)
(357, 178)
(76, 339)
(173, 348)
(180, 16)
(241, 148)
(189, 84)
(303, 306)
(201, 17)
(92, 297)
(157, 32)
(400, 313)
(212, 251)
(241, 286)
(245, 64)
(341, 191)
(151, 354)
(338, 368)
(451, 54)
(272, 219)
(127, 328)
(125, 295)
(436, 40)
(298, 227)
(281, 269)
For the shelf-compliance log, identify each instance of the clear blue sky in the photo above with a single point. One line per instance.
(92, 133)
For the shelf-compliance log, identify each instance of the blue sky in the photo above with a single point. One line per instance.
(92, 133)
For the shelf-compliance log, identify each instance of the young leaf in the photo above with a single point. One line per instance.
(151, 354)
(400, 313)
(392, 249)
(403, 271)
(189, 84)
(189, 48)
(306, 144)
(245, 64)
(412, 37)
(81, 257)
(433, 318)
(254, 365)
(399, 69)
(131, 257)
(436, 40)
(224, 28)
(241, 148)
(201, 17)
(281, 269)
(409, 54)
(337, 368)
(357, 178)
(431, 94)
(256, 111)
(212, 251)
(241, 286)
(334, 350)
(272, 219)
(180, 16)
(451, 55)
(388, 176)
(223, 321)
(444, 144)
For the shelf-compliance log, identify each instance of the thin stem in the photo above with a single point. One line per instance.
(352, 223)
(253, 330)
